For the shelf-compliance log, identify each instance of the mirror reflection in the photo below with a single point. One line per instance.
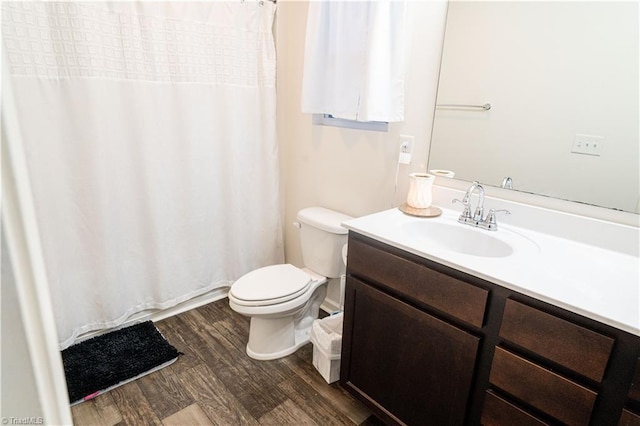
(561, 83)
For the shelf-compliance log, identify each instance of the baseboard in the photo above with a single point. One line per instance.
(187, 305)
(156, 315)
(330, 306)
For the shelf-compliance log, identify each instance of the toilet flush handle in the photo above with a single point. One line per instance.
(296, 225)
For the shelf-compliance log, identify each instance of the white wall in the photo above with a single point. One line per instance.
(19, 391)
(32, 375)
(351, 171)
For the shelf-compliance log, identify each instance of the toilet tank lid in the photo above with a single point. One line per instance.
(323, 218)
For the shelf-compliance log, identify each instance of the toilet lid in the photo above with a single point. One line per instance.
(270, 285)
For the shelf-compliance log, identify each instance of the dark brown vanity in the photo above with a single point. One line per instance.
(426, 344)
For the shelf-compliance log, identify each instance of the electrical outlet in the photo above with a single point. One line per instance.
(406, 144)
(406, 147)
(587, 144)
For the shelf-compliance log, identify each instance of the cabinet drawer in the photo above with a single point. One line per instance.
(447, 294)
(629, 419)
(572, 346)
(634, 390)
(552, 394)
(499, 412)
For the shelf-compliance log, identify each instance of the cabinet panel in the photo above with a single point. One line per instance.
(552, 394)
(556, 339)
(414, 367)
(634, 391)
(629, 419)
(417, 282)
(577, 348)
(499, 412)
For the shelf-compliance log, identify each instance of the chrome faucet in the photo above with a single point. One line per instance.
(466, 216)
(479, 213)
(478, 218)
(507, 183)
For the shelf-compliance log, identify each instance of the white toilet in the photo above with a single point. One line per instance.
(283, 300)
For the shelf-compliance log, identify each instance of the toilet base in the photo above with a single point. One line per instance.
(265, 347)
(272, 337)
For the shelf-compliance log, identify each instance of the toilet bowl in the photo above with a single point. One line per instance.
(279, 321)
(284, 300)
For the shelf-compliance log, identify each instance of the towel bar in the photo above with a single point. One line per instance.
(485, 107)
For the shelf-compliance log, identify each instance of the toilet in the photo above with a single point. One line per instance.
(283, 300)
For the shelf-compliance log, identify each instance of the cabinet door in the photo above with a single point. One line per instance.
(414, 367)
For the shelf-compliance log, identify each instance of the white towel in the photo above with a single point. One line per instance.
(355, 60)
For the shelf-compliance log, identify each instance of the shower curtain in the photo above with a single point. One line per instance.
(149, 134)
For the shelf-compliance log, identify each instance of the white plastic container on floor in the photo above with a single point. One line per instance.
(326, 336)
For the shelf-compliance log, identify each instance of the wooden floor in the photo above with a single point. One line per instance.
(216, 383)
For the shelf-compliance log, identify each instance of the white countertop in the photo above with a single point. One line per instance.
(595, 282)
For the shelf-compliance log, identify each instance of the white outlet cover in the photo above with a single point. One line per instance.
(587, 144)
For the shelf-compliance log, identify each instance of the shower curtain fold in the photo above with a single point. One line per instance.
(149, 131)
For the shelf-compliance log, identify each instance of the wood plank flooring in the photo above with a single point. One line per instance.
(216, 383)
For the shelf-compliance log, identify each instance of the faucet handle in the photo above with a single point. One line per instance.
(507, 183)
(479, 214)
(465, 216)
(490, 222)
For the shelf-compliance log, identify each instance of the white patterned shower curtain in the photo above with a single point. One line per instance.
(149, 134)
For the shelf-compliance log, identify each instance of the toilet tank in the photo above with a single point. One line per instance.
(322, 239)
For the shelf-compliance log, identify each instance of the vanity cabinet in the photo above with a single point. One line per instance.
(426, 344)
(408, 352)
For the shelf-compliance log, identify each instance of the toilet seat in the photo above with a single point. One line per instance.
(270, 285)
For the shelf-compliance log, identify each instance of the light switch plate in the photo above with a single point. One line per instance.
(587, 144)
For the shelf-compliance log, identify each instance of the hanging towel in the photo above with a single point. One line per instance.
(354, 60)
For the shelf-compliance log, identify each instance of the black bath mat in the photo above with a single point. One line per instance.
(112, 359)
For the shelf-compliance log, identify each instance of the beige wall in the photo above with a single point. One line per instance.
(351, 171)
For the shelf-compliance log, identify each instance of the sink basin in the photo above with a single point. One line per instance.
(464, 239)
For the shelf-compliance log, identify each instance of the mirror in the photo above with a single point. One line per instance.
(561, 81)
